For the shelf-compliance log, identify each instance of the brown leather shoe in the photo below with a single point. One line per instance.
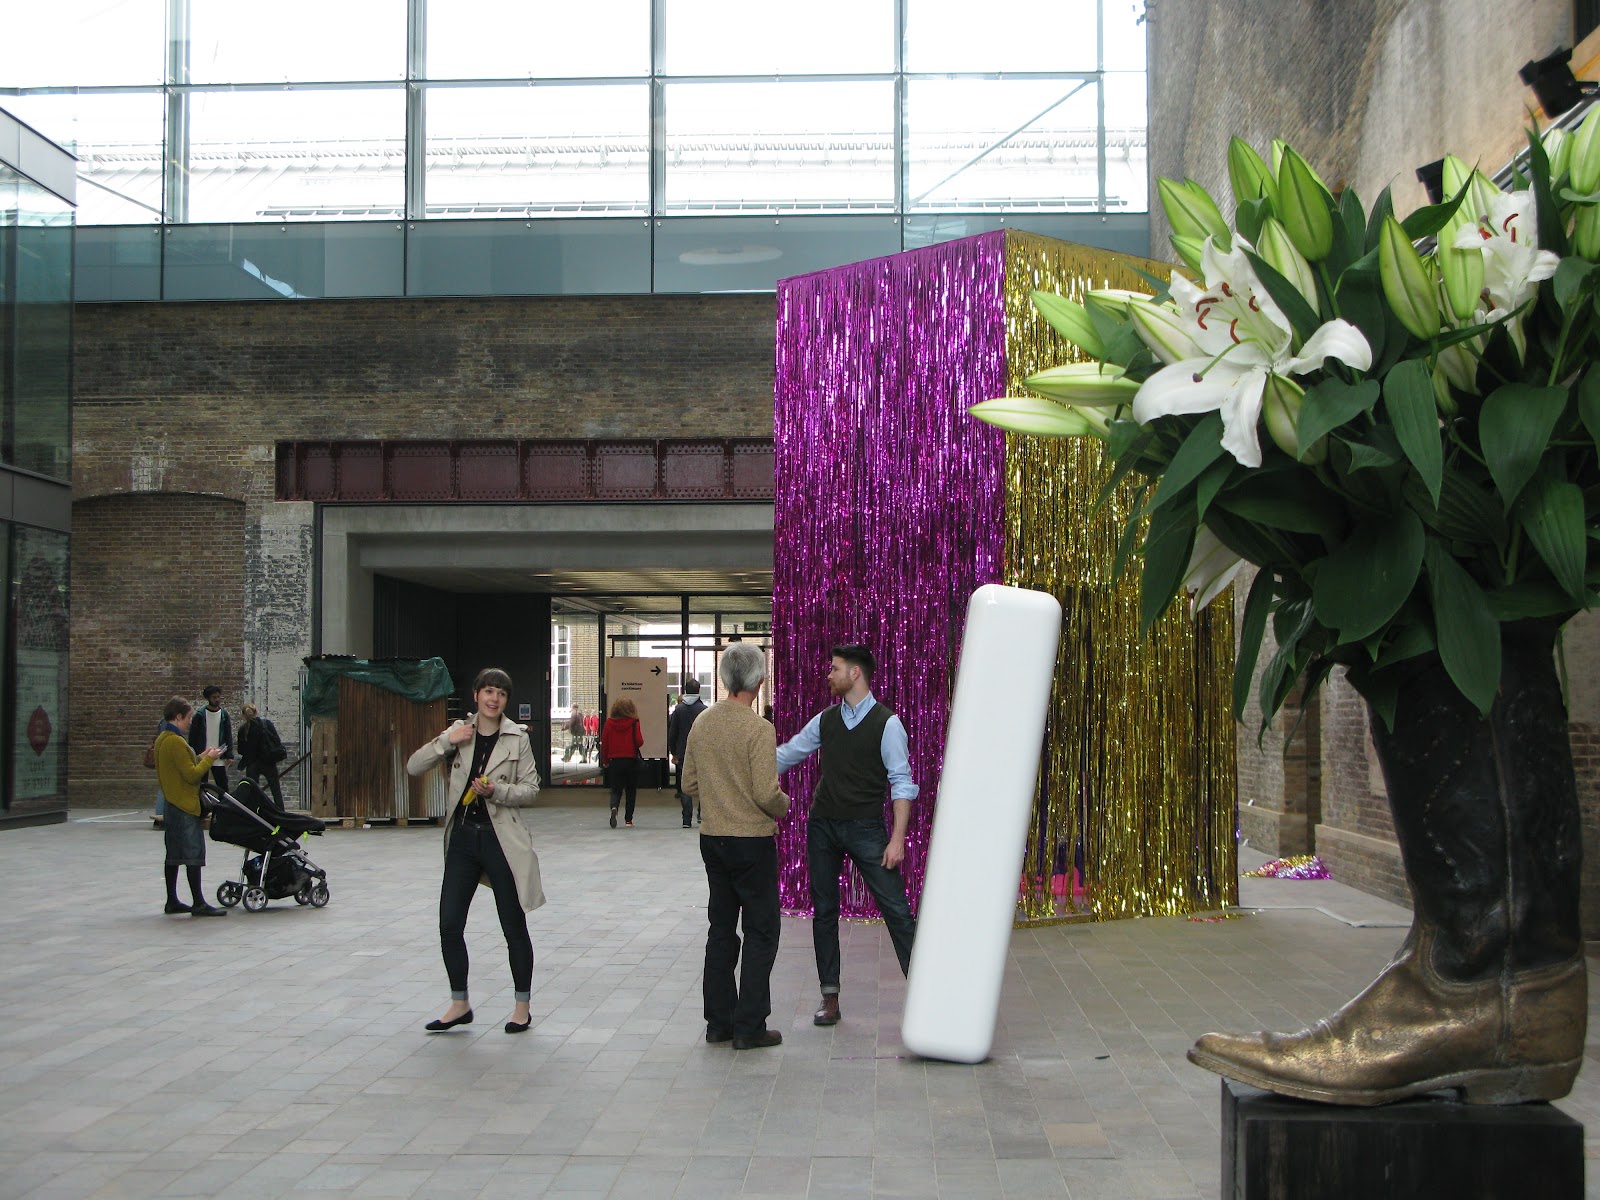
(828, 1014)
(767, 1037)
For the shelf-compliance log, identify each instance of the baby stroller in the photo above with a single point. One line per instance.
(274, 864)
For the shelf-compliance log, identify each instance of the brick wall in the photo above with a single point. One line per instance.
(178, 408)
(157, 602)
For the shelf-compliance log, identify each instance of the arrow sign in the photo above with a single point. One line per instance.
(655, 670)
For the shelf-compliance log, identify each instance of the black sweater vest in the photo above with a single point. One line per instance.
(854, 779)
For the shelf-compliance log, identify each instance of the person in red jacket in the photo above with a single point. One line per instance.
(620, 743)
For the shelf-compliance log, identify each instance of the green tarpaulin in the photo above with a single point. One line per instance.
(419, 680)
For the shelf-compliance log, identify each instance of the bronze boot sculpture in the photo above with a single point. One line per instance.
(1488, 993)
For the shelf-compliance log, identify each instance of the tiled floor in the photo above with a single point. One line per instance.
(281, 1053)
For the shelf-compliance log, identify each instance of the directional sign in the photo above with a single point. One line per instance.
(644, 681)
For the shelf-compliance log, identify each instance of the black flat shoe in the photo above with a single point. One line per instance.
(613, 818)
(513, 1027)
(174, 907)
(713, 1036)
(202, 909)
(440, 1026)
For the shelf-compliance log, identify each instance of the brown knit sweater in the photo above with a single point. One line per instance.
(732, 766)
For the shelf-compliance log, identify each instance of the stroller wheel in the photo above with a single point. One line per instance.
(303, 896)
(319, 894)
(228, 894)
(255, 899)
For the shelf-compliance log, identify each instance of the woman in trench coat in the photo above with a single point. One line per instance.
(492, 777)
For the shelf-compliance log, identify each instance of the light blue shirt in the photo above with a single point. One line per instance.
(894, 747)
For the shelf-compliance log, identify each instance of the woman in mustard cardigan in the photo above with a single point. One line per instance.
(180, 774)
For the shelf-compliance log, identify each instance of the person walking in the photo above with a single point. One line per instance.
(730, 765)
(179, 773)
(620, 743)
(493, 777)
(690, 706)
(260, 751)
(574, 734)
(864, 751)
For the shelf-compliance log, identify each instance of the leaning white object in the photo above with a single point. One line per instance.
(980, 824)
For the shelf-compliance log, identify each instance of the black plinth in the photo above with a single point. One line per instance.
(1275, 1148)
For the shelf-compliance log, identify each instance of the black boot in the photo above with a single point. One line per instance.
(1488, 994)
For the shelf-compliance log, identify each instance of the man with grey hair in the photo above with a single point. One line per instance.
(731, 767)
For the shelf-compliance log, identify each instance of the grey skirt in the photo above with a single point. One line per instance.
(186, 838)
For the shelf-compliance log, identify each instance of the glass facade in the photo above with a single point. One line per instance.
(36, 230)
(407, 112)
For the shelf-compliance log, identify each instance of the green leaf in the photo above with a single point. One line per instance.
(1408, 399)
(1291, 500)
(1383, 208)
(1552, 514)
(1330, 404)
(1409, 641)
(1210, 483)
(1249, 217)
(1426, 222)
(1463, 513)
(1363, 583)
(1468, 634)
(1199, 450)
(1130, 532)
(1361, 303)
(1514, 429)
(1530, 598)
(1252, 629)
(1573, 280)
(1166, 557)
(1290, 623)
(1286, 296)
(1552, 224)
(1379, 449)
(1589, 403)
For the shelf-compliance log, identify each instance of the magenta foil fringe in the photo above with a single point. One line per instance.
(889, 506)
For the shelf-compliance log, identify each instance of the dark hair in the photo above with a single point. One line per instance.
(855, 654)
(691, 686)
(211, 690)
(175, 708)
(492, 677)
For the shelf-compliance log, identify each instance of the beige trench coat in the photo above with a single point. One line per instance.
(516, 783)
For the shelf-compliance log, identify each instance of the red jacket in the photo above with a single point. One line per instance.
(621, 738)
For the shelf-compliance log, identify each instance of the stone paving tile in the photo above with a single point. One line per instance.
(281, 1053)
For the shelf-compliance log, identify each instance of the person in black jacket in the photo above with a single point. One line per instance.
(689, 707)
(213, 727)
(260, 751)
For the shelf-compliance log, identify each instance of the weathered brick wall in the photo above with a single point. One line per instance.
(1368, 93)
(192, 399)
(157, 608)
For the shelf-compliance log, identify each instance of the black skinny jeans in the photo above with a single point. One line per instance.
(742, 874)
(624, 776)
(475, 852)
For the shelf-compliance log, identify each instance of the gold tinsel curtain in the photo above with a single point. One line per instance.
(1137, 792)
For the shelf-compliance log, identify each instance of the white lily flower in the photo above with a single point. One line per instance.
(1513, 264)
(1212, 567)
(1242, 337)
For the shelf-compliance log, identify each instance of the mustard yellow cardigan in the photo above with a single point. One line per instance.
(179, 772)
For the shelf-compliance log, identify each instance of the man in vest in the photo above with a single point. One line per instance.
(864, 752)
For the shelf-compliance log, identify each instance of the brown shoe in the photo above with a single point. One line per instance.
(767, 1037)
(828, 1014)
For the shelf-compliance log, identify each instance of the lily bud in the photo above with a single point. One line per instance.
(1558, 149)
(1459, 365)
(1071, 321)
(1586, 232)
(1462, 269)
(1408, 284)
(1456, 173)
(1191, 211)
(1281, 400)
(1043, 418)
(1211, 569)
(1583, 159)
(1248, 173)
(1481, 195)
(1274, 246)
(1084, 383)
(1442, 399)
(1189, 250)
(1305, 207)
(1165, 332)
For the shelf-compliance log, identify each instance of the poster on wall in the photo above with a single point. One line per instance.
(644, 681)
(39, 640)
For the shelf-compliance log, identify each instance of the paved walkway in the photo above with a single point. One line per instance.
(281, 1053)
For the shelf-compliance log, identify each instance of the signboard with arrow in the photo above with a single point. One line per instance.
(644, 681)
